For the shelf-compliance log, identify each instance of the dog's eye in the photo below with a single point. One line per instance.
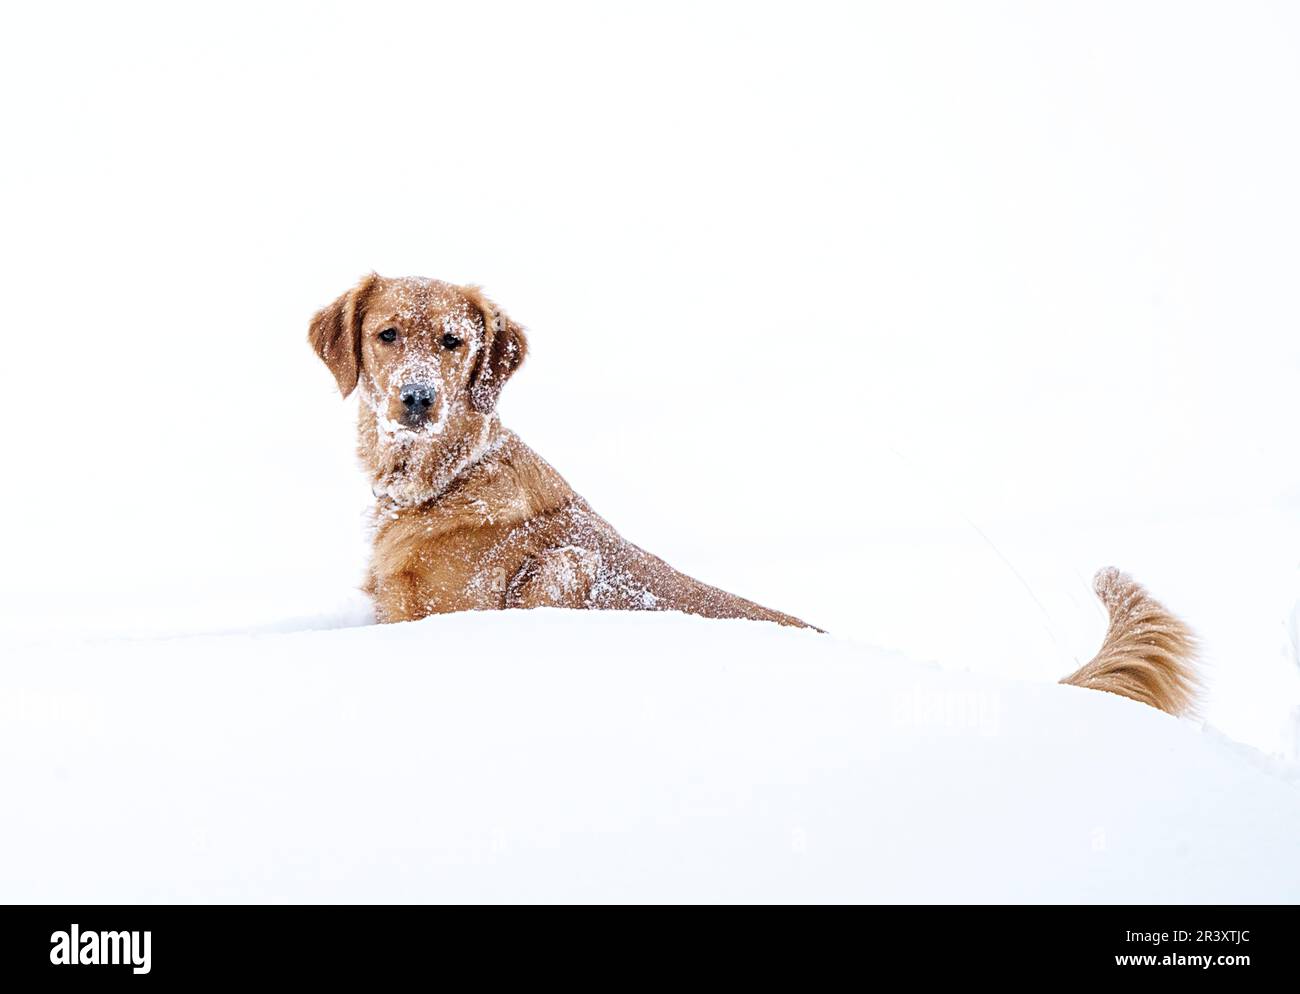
(450, 341)
(388, 335)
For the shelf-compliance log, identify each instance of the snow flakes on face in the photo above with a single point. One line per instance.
(466, 327)
(417, 297)
(411, 452)
(414, 368)
(429, 315)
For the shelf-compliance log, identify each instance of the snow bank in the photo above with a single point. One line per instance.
(564, 756)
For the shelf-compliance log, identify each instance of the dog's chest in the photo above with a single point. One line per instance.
(417, 571)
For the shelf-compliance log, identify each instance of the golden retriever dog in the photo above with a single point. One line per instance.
(468, 518)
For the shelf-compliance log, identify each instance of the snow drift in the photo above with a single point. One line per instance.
(551, 755)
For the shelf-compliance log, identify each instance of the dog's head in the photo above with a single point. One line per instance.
(418, 349)
(429, 360)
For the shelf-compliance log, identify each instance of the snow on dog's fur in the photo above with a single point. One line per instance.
(1147, 652)
(467, 517)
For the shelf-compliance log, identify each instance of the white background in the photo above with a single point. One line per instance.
(900, 317)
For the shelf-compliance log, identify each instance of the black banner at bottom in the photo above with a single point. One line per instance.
(142, 946)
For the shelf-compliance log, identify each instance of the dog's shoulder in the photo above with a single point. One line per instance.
(507, 487)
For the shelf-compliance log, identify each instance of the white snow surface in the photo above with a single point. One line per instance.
(552, 755)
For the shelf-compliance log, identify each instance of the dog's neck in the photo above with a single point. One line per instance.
(416, 471)
(498, 482)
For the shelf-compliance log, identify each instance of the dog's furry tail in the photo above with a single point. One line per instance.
(1148, 654)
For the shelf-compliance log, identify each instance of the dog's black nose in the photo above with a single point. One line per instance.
(417, 397)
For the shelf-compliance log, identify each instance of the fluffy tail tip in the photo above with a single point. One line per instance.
(1148, 654)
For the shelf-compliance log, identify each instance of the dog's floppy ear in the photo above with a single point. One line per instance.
(504, 348)
(335, 334)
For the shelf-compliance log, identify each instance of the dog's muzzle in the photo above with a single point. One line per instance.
(417, 399)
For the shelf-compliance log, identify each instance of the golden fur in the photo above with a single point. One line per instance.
(1147, 652)
(468, 518)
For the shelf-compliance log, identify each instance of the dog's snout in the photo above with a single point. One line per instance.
(416, 397)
